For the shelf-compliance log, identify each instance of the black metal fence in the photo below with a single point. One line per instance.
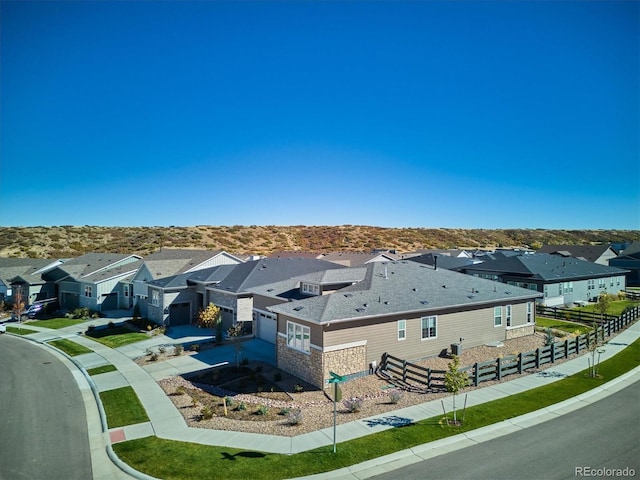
(417, 378)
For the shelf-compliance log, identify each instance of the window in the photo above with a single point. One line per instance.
(126, 290)
(402, 329)
(155, 298)
(88, 290)
(602, 283)
(529, 312)
(611, 282)
(508, 315)
(497, 316)
(591, 284)
(618, 281)
(546, 291)
(429, 327)
(298, 337)
(559, 289)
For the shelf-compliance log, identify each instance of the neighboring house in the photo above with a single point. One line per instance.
(169, 262)
(408, 310)
(355, 259)
(629, 259)
(233, 294)
(444, 261)
(452, 252)
(292, 254)
(591, 253)
(176, 300)
(25, 274)
(93, 280)
(563, 280)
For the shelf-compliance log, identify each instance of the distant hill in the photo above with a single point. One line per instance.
(71, 241)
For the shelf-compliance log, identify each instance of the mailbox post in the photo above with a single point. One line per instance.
(337, 396)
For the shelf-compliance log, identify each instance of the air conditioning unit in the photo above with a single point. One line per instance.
(456, 349)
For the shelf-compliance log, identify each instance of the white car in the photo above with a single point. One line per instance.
(3, 328)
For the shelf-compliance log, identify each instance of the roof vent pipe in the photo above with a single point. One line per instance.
(385, 273)
(435, 262)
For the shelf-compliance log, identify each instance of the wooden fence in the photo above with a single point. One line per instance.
(414, 377)
(573, 315)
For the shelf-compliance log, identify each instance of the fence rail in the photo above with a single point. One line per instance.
(415, 377)
(573, 315)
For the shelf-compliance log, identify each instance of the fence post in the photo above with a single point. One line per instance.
(404, 370)
(428, 378)
(578, 344)
(476, 375)
(553, 353)
(538, 357)
(520, 362)
(499, 368)
(566, 348)
(383, 365)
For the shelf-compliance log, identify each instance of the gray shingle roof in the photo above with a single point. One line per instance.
(183, 280)
(391, 288)
(590, 253)
(173, 261)
(22, 268)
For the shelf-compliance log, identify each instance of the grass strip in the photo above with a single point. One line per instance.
(102, 369)
(174, 460)
(20, 330)
(70, 348)
(122, 407)
(56, 323)
(116, 337)
(569, 327)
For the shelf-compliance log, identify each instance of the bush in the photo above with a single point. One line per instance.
(298, 388)
(162, 349)
(195, 347)
(178, 349)
(395, 396)
(228, 401)
(180, 390)
(206, 413)
(284, 411)
(295, 416)
(262, 410)
(353, 405)
(241, 406)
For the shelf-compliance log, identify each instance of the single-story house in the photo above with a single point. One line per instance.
(562, 280)
(93, 280)
(403, 308)
(354, 259)
(25, 275)
(233, 294)
(591, 253)
(176, 300)
(169, 262)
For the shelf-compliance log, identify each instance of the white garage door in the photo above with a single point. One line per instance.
(267, 327)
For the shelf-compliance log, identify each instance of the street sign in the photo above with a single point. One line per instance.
(337, 396)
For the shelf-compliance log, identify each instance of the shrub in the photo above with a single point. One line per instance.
(228, 401)
(154, 357)
(241, 406)
(162, 349)
(395, 396)
(353, 405)
(195, 347)
(262, 410)
(178, 349)
(206, 413)
(284, 411)
(548, 337)
(298, 388)
(180, 390)
(295, 416)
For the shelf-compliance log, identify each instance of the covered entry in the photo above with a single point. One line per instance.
(110, 301)
(180, 314)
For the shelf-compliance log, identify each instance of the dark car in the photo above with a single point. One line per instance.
(40, 309)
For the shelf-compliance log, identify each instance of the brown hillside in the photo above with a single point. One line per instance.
(69, 241)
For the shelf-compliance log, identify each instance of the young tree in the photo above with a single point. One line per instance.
(209, 317)
(597, 346)
(604, 300)
(454, 381)
(18, 304)
(233, 333)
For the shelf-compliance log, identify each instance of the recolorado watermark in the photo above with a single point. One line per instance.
(604, 472)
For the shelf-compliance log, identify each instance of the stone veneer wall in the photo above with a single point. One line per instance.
(315, 366)
(520, 331)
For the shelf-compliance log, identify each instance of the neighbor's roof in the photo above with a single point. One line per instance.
(269, 270)
(204, 276)
(354, 259)
(391, 288)
(96, 267)
(173, 261)
(26, 269)
(546, 267)
(591, 253)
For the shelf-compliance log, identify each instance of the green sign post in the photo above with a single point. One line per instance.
(337, 396)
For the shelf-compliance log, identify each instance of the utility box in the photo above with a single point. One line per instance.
(456, 349)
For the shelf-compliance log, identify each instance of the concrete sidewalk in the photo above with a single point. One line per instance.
(165, 420)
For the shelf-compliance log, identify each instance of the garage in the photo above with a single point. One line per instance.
(180, 314)
(267, 327)
(109, 301)
(70, 301)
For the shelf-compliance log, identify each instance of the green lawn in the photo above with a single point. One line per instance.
(615, 308)
(56, 323)
(70, 348)
(173, 460)
(19, 330)
(102, 369)
(116, 337)
(123, 407)
(569, 327)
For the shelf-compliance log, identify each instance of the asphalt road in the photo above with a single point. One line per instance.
(43, 425)
(605, 434)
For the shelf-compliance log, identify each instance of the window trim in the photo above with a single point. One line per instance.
(402, 327)
(496, 317)
(299, 344)
(508, 315)
(429, 318)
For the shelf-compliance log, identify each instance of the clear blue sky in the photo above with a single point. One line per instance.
(500, 114)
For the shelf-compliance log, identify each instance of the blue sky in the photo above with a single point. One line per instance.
(500, 114)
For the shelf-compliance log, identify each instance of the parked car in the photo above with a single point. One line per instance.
(39, 309)
(3, 328)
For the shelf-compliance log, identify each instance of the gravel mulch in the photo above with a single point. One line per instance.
(376, 396)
